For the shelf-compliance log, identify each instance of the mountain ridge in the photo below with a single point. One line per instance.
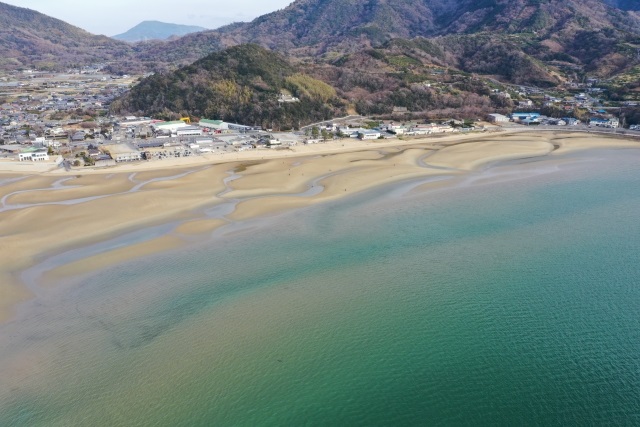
(156, 30)
(593, 34)
(377, 54)
(538, 42)
(305, 23)
(29, 38)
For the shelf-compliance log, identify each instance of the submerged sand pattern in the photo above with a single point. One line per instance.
(53, 212)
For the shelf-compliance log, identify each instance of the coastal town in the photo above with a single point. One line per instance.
(64, 119)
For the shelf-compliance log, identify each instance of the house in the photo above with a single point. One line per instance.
(94, 153)
(122, 152)
(287, 98)
(431, 128)
(43, 142)
(395, 128)
(78, 136)
(142, 131)
(605, 123)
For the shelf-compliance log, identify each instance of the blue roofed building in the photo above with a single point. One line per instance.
(520, 117)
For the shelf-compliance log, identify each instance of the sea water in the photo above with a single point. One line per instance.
(508, 297)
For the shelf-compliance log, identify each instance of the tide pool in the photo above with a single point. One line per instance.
(510, 297)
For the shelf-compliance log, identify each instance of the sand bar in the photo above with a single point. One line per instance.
(46, 213)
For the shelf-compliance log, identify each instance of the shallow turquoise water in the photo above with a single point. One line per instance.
(500, 301)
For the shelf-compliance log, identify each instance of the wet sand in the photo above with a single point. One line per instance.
(47, 213)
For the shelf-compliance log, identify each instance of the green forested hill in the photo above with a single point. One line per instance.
(243, 84)
(240, 84)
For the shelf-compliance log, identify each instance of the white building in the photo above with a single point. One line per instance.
(240, 128)
(44, 142)
(34, 156)
(498, 118)
(287, 98)
(369, 134)
(432, 128)
(189, 131)
(130, 122)
(395, 128)
(213, 124)
(169, 126)
(605, 123)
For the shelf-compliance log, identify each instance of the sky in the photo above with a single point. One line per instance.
(113, 17)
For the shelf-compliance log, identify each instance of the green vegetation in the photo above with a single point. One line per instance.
(403, 61)
(304, 86)
(240, 84)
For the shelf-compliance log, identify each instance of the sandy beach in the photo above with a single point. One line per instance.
(46, 213)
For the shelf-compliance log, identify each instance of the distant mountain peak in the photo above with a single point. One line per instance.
(156, 30)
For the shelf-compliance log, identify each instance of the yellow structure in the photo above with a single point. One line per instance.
(187, 120)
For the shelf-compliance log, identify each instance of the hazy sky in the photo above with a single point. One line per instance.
(111, 17)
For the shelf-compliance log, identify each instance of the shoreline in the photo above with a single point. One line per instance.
(79, 209)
